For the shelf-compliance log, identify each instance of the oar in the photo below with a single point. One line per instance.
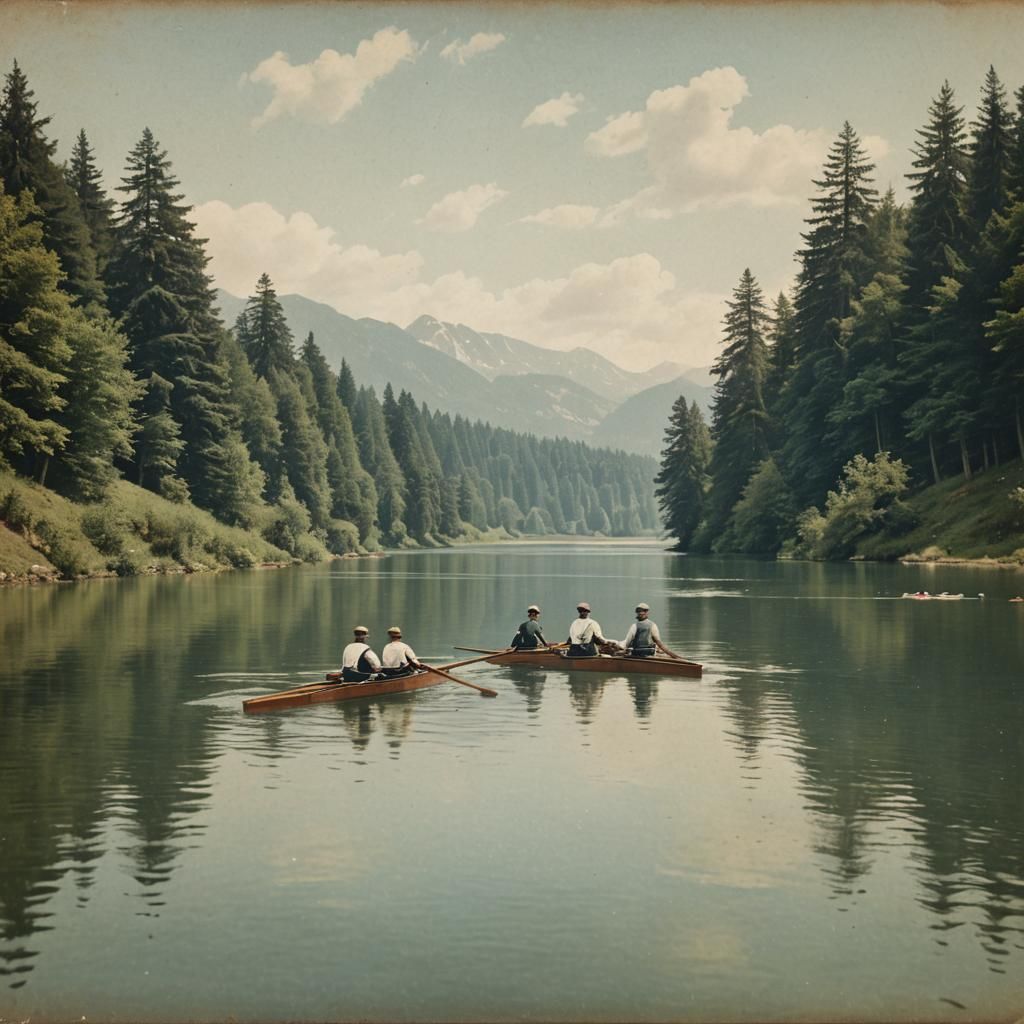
(479, 650)
(455, 679)
(473, 661)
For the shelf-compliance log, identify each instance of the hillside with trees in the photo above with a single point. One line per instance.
(117, 371)
(897, 363)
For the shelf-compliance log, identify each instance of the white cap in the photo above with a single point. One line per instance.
(641, 607)
(532, 608)
(360, 629)
(394, 630)
(583, 607)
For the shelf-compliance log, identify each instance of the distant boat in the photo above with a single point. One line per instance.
(923, 595)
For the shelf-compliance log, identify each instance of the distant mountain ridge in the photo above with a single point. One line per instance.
(497, 355)
(504, 381)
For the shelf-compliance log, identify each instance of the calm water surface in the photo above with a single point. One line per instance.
(829, 824)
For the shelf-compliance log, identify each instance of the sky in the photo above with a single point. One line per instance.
(572, 175)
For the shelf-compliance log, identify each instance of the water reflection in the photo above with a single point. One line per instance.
(895, 731)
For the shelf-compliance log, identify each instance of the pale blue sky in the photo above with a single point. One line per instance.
(714, 170)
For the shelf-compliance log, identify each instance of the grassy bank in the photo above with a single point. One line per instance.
(960, 519)
(45, 536)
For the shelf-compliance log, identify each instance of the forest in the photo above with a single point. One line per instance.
(114, 364)
(897, 362)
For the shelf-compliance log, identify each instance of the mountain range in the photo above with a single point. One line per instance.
(508, 382)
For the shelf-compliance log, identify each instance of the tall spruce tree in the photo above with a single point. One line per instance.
(681, 482)
(26, 162)
(97, 207)
(739, 423)
(990, 154)
(264, 332)
(1015, 157)
(781, 360)
(938, 229)
(159, 289)
(834, 266)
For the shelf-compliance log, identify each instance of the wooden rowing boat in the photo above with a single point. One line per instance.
(544, 658)
(333, 689)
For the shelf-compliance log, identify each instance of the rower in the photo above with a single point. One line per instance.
(530, 636)
(584, 634)
(643, 639)
(399, 659)
(358, 662)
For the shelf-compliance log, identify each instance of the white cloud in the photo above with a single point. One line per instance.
(630, 309)
(412, 181)
(327, 88)
(624, 134)
(556, 111)
(697, 158)
(459, 52)
(568, 215)
(459, 211)
(297, 253)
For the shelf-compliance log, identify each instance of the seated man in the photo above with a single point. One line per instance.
(584, 634)
(643, 639)
(530, 636)
(398, 659)
(358, 662)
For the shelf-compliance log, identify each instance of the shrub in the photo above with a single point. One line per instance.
(1017, 497)
(289, 520)
(227, 550)
(173, 536)
(127, 563)
(63, 548)
(764, 516)
(174, 489)
(15, 512)
(106, 527)
(309, 549)
(341, 537)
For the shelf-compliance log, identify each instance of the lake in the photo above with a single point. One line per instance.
(829, 824)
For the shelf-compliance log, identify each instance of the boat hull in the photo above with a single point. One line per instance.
(333, 689)
(602, 663)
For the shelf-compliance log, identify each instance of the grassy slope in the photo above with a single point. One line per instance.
(963, 520)
(157, 534)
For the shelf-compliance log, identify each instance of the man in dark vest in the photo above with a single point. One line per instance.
(530, 636)
(358, 662)
(643, 639)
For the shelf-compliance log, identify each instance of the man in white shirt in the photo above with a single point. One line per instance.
(398, 659)
(643, 639)
(358, 662)
(584, 634)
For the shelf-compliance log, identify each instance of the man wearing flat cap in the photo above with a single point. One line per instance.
(358, 662)
(584, 634)
(643, 639)
(530, 637)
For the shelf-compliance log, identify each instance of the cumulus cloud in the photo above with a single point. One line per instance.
(568, 215)
(412, 181)
(556, 111)
(459, 52)
(631, 309)
(697, 157)
(327, 88)
(459, 211)
(299, 254)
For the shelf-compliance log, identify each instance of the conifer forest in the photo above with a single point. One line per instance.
(115, 364)
(897, 362)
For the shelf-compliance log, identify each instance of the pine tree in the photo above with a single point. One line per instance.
(682, 480)
(161, 293)
(347, 386)
(26, 162)
(1006, 334)
(379, 460)
(739, 426)
(938, 227)
(990, 154)
(97, 207)
(834, 266)
(1015, 156)
(264, 333)
(781, 360)
(159, 444)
